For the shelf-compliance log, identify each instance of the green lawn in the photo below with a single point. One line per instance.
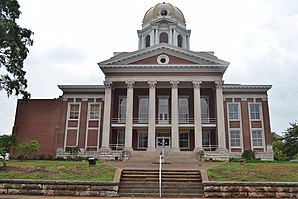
(255, 172)
(57, 170)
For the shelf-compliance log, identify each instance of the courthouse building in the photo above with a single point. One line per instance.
(161, 96)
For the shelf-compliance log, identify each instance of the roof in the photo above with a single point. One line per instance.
(81, 88)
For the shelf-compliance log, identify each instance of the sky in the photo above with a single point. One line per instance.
(258, 37)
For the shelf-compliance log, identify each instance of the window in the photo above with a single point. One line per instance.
(235, 138)
(122, 110)
(143, 109)
(74, 111)
(183, 110)
(206, 139)
(205, 109)
(94, 112)
(147, 40)
(254, 111)
(233, 111)
(143, 140)
(163, 37)
(183, 140)
(120, 139)
(257, 138)
(180, 39)
(163, 110)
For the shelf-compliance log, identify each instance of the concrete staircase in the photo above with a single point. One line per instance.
(175, 183)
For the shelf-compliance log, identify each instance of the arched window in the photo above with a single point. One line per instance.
(180, 39)
(163, 37)
(147, 40)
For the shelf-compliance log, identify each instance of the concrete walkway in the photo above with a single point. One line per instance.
(155, 165)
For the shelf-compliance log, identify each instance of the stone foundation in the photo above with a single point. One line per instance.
(250, 190)
(59, 188)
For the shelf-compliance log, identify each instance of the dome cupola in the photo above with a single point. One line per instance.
(164, 10)
(164, 23)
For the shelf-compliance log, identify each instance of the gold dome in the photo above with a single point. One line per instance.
(164, 10)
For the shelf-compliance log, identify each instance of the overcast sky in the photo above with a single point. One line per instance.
(258, 37)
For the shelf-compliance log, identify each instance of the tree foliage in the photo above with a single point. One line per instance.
(6, 141)
(27, 148)
(14, 41)
(291, 140)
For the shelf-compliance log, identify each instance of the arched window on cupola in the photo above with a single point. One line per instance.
(180, 39)
(147, 40)
(163, 38)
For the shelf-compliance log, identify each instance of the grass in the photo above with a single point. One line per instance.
(57, 170)
(255, 172)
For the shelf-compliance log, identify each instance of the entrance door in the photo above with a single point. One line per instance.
(163, 141)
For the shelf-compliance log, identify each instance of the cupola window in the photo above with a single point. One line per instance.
(163, 38)
(180, 39)
(147, 40)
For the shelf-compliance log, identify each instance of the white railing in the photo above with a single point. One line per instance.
(116, 146)
(208, 120)
(118, 120)
(210, 147)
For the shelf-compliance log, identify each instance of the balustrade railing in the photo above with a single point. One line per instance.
(210, 147)
(164, 121)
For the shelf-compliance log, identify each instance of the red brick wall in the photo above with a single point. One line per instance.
(39, 120)
(245, 125)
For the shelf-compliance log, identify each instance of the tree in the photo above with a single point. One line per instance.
(6, 141)
(27, 148)
(278, 147)
(291, 140)
(13, 49)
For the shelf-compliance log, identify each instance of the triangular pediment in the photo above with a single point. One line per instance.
(177, 56)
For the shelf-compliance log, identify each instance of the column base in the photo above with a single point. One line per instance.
(129, 149)
(175, 149)
(104, 149)
(151, 149)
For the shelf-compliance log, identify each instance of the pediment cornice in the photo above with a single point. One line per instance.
(196, 57)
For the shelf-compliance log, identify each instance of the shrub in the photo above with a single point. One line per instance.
(249, 155)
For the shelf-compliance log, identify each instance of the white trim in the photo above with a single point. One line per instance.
(260, 111)
(72, 128)
(228, 110)
(263, 138)
(241, 139)
(93, 128)
(240, 125)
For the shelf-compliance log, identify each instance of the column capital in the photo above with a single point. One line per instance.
(130, 84)
(196, 84)
(152, 84)
(174, 84)
(219, 84)
(108, 84)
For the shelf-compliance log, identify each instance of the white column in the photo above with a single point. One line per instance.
(175, 122)
(151, 122)
(220, 117)
(171, 37)
(197, 115)
(129, 116)
(105, 145)
(140, 40)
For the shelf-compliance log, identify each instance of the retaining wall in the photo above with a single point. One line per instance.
(250, 190)
(59, 188)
